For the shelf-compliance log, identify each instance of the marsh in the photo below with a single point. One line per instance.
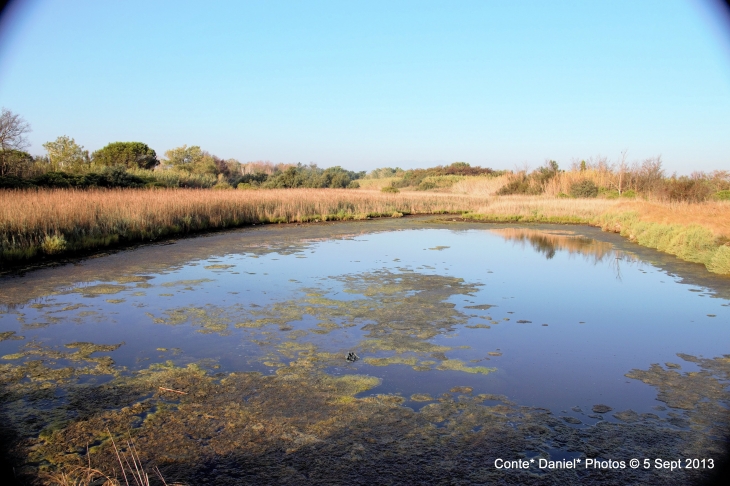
(225, 356)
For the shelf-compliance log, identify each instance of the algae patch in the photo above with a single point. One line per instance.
(10, 336)
(305, 425)
(101, 289)
(186, 283)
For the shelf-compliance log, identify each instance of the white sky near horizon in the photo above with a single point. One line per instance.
(367, 84)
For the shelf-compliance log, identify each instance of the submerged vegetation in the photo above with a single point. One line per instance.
(302, 424)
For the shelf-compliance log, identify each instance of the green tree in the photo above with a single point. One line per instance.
(66, 155)
(191, 159)
(127, 154)
(15, 163)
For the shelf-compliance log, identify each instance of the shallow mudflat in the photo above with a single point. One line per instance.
(224, 357)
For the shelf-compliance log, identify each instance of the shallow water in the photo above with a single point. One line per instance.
(548, 316)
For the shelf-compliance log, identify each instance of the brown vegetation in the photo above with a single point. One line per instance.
(59, 221)
(55, 221)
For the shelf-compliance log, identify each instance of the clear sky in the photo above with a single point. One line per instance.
(367, 84)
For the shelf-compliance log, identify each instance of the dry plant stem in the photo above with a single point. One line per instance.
(173, 391)
(159, 475)
(126, 481)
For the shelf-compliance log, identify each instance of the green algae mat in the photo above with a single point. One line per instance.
(415, 351)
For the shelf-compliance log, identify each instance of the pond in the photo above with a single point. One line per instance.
(224, 357)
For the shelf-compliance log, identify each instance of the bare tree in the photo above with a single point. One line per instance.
(622, 168)
(13, 129)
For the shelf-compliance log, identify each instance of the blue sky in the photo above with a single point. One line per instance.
(367, 84)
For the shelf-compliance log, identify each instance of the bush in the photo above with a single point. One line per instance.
(685, 188)
(630, 193)
(722, 195)
(54, 244)
(155, 185)
(353, 185)
(519, 184)
(608, 193)
(13, 182)
(222, 185)
(584, 188)
(391, 189)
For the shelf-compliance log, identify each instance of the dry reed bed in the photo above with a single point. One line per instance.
(57, 221)
(54, 221)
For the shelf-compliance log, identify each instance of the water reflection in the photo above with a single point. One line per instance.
(548, 243)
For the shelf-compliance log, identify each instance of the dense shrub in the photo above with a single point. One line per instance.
(311, 176)
(415, 177)
(584, 188)
(690, 189)
(722, 195)
(13, 182)
(109, 177)
(520, 184)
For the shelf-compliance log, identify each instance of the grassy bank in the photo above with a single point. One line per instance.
(34, 223)
(697, 232)
(56, 222)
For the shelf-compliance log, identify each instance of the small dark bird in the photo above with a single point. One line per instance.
(352, 357)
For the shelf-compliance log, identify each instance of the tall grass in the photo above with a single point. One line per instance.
(480, 186)
(60, 221)
(377, 183)
(541, 209)
(57, 221)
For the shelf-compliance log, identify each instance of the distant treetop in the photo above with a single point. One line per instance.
(127, 154)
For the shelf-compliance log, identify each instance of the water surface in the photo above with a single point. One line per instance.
(545, 316)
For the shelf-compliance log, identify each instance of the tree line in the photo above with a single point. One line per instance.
(135, 164)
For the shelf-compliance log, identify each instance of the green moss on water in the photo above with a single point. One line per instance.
(268, 426)
(218, 267)
(125, 279)
(208, 319)
(186, 283)
(10, 336)
(411, 361)
(101, 289)
(458, 365)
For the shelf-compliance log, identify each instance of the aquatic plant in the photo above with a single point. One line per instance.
(303, 425)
